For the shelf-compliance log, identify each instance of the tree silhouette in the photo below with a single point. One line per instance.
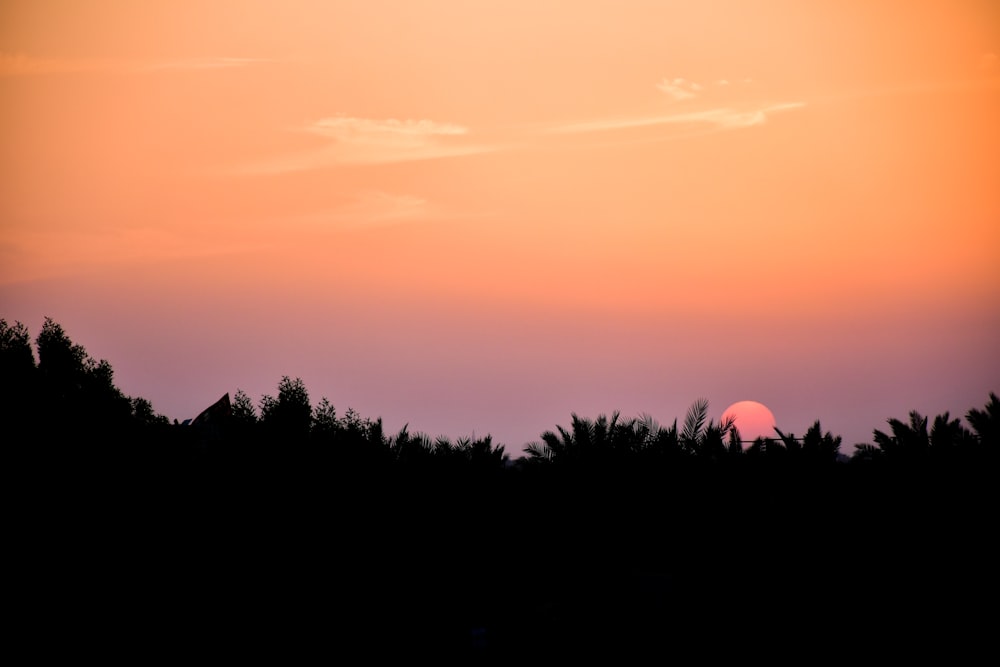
(79, 393)
(19, 386)
(908, 443)
(411, 449)
(420, 526)
(482, 453)
(614, 440)
(470, 454)
(947, 440)
(586, 441)
(16, 356)
(819, 447)
(655, 444)
(814, 449)
(705, 440)
(986, 424)
(287, 418)
(324, 422)
(142, 411)
(243, 409)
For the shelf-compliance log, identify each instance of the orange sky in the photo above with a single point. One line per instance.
(481, 216)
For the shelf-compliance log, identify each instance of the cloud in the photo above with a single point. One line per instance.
(723, 118)
(357, 140)
(679, 89)
(410, 132)
(354, 140)
(714, 109)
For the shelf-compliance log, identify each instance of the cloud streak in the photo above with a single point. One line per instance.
(354, 140)
(409, 132)
(679, 89)
(722, 118)
(703, 108)
(357, 140)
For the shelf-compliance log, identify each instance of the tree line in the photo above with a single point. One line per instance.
(71, 400)
(257, 521)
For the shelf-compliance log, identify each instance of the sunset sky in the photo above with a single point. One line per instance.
(477, 216)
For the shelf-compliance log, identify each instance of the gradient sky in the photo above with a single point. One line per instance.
(480, 217)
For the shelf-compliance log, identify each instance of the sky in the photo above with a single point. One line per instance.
(482, 217)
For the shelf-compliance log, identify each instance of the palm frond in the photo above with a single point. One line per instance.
(553, 443)
(694, 421)
(883, 441)
(647, 423)
(985, 423)
(538, 451)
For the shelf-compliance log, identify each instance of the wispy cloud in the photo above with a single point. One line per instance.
(354, 140)
(711, 107)
(409, 132)
(357, 140)
(679, 89)
(723, 118)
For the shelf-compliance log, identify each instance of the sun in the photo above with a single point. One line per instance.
(752, 419)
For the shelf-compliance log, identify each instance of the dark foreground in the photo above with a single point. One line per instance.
(282, 561)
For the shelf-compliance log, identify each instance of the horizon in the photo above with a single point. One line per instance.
(482, 218)
(753, 420)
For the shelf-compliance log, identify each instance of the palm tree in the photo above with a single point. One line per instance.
(814, 448)
(411, 448)
(570, 445)
(604, 439)
(908, 442)
(947, 438)
(986, 424)
(707, 440)
(820, 447)
(655, 442)
(539, 451)
(950, 439)
(481, 452)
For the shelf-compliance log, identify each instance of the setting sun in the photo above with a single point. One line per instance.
(752, 419)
